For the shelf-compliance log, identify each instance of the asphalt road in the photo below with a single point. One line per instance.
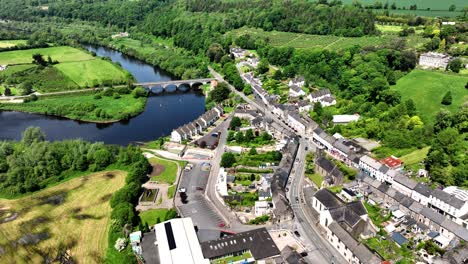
(320, 251)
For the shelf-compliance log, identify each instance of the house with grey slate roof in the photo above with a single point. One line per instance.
(345, 223)
(195, 127)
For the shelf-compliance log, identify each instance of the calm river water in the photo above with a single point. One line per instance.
(162, 114)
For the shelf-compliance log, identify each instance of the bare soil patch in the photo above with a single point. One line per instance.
(157, 169)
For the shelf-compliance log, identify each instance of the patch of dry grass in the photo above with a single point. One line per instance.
(73, 216)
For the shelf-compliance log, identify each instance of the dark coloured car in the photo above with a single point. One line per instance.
(297, 233)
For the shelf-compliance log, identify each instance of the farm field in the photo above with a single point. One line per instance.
(11, 43)
(427, 88)
(421, 4)
(73, 216)
(92, 72)
(61, 54)
(76, 69)
(306, 41)
(426, 13)
(83, 107)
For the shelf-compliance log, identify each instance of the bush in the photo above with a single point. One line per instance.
(108, 92)
(97, 96)
(116, 96)
(227, 160)
(139, 92)
(447, 100)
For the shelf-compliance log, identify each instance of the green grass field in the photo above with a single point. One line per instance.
(82, 107)
(11, 43)
(306, 41)
(415, 156)
(316, 178)
(425, 13)
(78, 222)
(168, 174)
(14, 69)
(92, 72)
(421, 4)
(61, 54)
(151, 217)
(427, 88)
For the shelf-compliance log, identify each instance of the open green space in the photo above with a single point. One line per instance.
(93, 72)
(10, 70)
(60, 54)
(421, 4)
(427, 88)
(163, 170)
(73, 215)
(171, 191)
(83, 106)
(11, 43)
(316, 178)
(307, 41)
(152, 217)
(415, 157)
(424, 13)
(75, 69)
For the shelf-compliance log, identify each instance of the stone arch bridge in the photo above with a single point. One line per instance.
(177, 83)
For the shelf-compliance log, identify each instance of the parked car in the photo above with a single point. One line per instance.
(199, 189)
(221, 225)
(182, 189)
(297, 233)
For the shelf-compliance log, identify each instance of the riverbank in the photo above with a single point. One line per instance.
(85, 107)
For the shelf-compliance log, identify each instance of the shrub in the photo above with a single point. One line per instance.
(227, 160)
(116, 96)
(139, 92)
(447, 100)
(108, 92)
(97, 96)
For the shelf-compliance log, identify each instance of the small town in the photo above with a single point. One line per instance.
(234, 132)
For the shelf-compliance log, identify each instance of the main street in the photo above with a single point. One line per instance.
(251, 102)
(320, 251)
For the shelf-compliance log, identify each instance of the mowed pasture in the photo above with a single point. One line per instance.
(427, 88)
(60, 54)
(92, 72)
(11, 43)
(307, 41)
(421, 4)
(72, 216)
(164, 171)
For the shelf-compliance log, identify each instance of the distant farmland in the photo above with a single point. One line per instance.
(421, 4)
(307, 41)
(436, 7)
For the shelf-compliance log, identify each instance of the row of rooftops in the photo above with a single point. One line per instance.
(447, 195)
(200, 122)
(417, 207)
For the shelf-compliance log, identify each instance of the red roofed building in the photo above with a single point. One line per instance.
(392, 162)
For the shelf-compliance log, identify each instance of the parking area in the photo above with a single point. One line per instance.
(197, 207)
(202, 214)
(194, 180)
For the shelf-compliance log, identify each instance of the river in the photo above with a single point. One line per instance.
(162, 114)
